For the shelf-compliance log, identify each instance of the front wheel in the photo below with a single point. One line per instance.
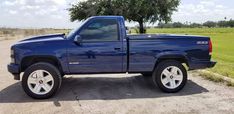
(170, 76)
(41, 80)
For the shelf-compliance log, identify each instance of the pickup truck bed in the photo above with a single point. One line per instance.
(161, 46)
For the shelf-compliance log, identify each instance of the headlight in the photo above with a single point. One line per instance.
(12, 56)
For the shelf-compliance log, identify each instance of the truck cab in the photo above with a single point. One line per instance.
(99, 42)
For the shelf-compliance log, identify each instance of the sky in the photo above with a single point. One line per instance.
(54, 14)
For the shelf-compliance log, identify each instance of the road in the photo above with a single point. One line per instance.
(114, 93)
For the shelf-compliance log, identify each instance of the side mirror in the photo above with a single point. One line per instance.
(78, 39)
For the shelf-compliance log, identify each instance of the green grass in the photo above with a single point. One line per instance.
(223, 45)
(216, 77)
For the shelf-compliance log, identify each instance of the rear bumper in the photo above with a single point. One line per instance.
(14, 69)
(211, 64)
(201, 65)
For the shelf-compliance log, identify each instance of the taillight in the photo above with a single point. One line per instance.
(210, 47)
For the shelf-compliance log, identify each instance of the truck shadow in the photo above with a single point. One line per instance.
(99, 88)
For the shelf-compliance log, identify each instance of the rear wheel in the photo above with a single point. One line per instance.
(41, 80)
(170, 76)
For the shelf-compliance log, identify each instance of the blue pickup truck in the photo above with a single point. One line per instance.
(101, 45)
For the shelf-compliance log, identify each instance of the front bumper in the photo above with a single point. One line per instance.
(14, 69)
(201, 65)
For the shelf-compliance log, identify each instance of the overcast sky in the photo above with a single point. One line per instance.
(53, 13)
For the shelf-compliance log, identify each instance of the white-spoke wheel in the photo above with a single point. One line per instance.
(171, 77)
(40, 82)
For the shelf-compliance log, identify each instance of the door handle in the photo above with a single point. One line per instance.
(117, 48)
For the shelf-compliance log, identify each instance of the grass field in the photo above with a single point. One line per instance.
(223, 45)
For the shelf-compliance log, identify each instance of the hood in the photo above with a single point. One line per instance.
(45, 37)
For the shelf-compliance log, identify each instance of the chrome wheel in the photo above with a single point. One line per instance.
(40, 82)
(171, 77)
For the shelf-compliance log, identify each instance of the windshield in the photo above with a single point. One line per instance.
(76, 29)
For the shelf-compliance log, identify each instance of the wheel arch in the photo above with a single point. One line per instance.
(174, 56)
(29, 60)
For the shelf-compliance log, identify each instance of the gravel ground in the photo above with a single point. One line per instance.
(114, 93)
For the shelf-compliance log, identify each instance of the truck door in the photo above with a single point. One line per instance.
(100, 50)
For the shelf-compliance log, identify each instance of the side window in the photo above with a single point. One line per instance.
(101, 30)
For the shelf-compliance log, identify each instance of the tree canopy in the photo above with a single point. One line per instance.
(140, 11)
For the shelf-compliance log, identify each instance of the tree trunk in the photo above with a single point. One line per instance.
(141, 27)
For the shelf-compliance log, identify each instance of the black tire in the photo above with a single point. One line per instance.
(46, 67)
(147, 74)
(157, 80)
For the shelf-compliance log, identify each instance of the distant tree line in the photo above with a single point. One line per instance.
(209, 24)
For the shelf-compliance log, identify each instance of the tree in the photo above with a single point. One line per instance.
(209, 24)
(177, 25)
(165, 25)
(140, 11)
(222, 23)
(195, 25)
(231, 23)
